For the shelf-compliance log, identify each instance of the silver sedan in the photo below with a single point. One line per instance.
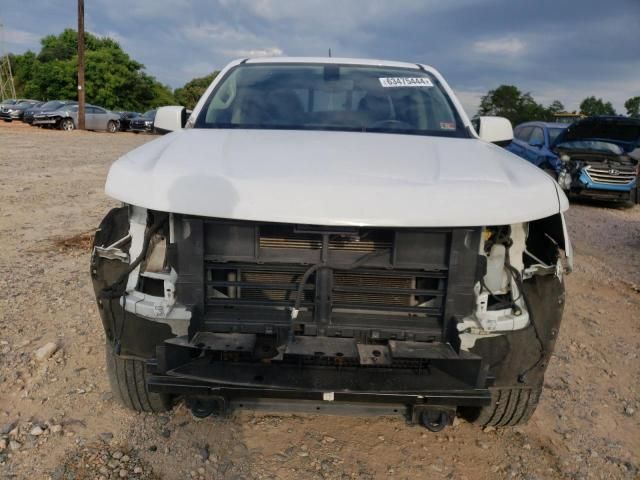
(66, 118)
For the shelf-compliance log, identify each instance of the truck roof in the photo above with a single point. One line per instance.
(335, 60)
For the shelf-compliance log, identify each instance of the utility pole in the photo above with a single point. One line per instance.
(81, 116)
(7, 88)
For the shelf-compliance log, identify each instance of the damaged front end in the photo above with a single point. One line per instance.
(599, 158)
(598, 174)
(414, 321)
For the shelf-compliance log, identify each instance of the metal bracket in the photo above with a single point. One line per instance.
(113, 251)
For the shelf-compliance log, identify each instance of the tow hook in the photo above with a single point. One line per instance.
(433, 419)
(202, 407)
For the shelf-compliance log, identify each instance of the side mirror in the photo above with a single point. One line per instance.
(170, 119)
(494, 130)
(536, 143)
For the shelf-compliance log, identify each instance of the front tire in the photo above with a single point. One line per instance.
(509, 407)
(112, 127)
(128, 378)
(67, 125)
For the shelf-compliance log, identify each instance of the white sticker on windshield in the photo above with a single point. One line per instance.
(390, 82)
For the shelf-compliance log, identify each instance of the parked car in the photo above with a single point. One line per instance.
(143, 123)
(588, 158)
(125, 120)
(9, 113)
(12, 101)
(66, 118)
(50, 106)
(533, 141)
(331, 235)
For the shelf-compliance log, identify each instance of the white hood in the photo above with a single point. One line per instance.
(334, 178)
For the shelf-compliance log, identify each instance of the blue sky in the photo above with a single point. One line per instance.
(560, 49)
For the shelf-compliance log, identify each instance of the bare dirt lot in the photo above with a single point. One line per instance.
(58, 418)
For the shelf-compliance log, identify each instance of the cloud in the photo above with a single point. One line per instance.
(260, 52)
(21, 37)
(231, 41)
(470, 100)
(472, 42)
(499, 46)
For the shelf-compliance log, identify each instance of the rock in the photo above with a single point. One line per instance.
(137, 470)
(482, 445)
(328, 439)
(106, 437)
(55, 428)
(3, 444)
(14, 445)
(7, 427)
(117, 455)
(204, 453)
(123, 473)
(44, 352)
(489, 429)
(107, 396)
(629, 411)
(36, 431)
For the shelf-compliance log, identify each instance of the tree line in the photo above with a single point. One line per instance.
(112, 78)
(116, 81)
(508, 101)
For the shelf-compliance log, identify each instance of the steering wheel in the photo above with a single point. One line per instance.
(398, 123)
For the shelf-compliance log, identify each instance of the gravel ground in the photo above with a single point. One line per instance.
(58, 418)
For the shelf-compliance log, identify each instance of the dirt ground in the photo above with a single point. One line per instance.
(58, 418)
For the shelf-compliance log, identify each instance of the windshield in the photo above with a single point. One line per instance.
(553, 134)
(331, 97)
(592, 145)
(149, 114)
(53, 105)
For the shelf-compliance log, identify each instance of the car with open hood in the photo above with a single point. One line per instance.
(591, 157)
(333, 236)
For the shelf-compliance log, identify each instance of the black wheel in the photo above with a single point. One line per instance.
(112, 127)
(67, 124)
(509, 407)
(129, 386)
(434, 421)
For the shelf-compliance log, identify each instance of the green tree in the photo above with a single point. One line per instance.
(556, 106)
(113, 79)
(633, 106)
(189, 94)
(508, 101)
(592, 106)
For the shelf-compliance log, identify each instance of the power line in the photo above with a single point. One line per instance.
(7, 87)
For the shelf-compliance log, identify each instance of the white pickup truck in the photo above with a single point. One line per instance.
(331, 235)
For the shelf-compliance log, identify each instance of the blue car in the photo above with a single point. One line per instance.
(595, 156)
(533, 141)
